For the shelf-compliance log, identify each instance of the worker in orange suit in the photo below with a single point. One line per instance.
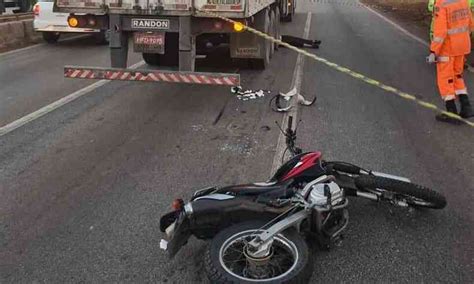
(449, 46)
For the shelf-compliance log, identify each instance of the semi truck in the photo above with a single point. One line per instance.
(175, 32)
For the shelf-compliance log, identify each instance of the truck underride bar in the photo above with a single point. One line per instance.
(220, 79)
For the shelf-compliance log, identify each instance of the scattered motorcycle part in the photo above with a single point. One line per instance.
(246, 95)
(287, 96)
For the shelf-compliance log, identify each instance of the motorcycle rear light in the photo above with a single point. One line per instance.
(36, 10)
(177, 204)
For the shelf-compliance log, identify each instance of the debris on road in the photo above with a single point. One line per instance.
(248, 94)
(300, 42)
(287, 96)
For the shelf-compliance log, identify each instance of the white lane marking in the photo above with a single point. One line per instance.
(38, 45)
(295, 83)
(57, 104)
(397, 26)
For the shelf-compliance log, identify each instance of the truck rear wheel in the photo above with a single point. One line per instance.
(273, 24)
(171, 56)
(277, 26)
(51, 37)
(289, 16)
(101, 37)
(262, 23)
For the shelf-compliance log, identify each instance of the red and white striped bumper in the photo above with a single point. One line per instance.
(220, 79)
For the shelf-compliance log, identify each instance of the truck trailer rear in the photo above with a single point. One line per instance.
(173, 32)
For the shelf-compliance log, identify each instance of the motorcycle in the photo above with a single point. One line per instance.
(257, 230)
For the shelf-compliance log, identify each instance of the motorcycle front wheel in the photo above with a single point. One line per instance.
(228, 259)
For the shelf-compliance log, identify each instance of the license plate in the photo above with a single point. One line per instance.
(150, 42)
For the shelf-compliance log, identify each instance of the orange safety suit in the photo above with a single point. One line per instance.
(451, 43)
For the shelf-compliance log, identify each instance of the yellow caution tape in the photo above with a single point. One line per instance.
(347, 71)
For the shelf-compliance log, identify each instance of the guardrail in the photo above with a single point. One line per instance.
(16, 17)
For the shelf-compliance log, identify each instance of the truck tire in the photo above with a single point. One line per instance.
(289, 16)
(151, 59)
(273, 24)
(171, 56)
(277, 26)
(262, 23)
(101, 37)
(51, 37)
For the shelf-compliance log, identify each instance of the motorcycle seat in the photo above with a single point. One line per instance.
(255, 188)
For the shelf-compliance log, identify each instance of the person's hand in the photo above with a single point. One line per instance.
(431, 58)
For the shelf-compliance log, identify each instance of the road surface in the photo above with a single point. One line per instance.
(83, 186)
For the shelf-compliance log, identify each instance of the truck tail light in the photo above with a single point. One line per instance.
(218, 25)
(91, 22)
(73, 22)
(36, 10)
(238, 26)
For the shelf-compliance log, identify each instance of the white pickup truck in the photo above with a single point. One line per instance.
(172, 32)
(52, 25)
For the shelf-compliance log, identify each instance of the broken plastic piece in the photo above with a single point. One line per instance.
(287, 96)
(246, 95)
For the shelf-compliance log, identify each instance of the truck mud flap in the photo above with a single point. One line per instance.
(200, 78)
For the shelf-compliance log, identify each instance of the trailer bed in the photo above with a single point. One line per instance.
(228, 8)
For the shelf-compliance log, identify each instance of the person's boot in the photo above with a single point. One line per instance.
(466, 108)
(450, 107)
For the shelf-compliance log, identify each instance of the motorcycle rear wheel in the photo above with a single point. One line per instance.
(415, 195)
(226, 260)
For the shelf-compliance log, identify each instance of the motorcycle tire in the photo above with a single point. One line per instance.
(420, 196)
(216, 263)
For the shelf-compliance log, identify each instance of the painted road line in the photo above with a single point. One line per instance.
(57, 104)
(41, 44)
(398, 27)
(295, 84)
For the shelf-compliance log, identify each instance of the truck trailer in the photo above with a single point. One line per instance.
(173, 32)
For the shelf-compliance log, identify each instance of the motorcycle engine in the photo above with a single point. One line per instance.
(323, 194)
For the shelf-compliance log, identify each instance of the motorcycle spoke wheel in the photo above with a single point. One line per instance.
(233, 257)
(230, 258)
(395, 191)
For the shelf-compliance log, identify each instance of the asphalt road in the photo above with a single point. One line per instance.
(83, 187)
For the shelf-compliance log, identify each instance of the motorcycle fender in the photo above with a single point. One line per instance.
(178, 234)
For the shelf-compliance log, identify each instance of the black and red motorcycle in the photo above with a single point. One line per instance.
(257, 229)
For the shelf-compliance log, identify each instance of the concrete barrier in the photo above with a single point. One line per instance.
(30, 33)
(17, 33)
